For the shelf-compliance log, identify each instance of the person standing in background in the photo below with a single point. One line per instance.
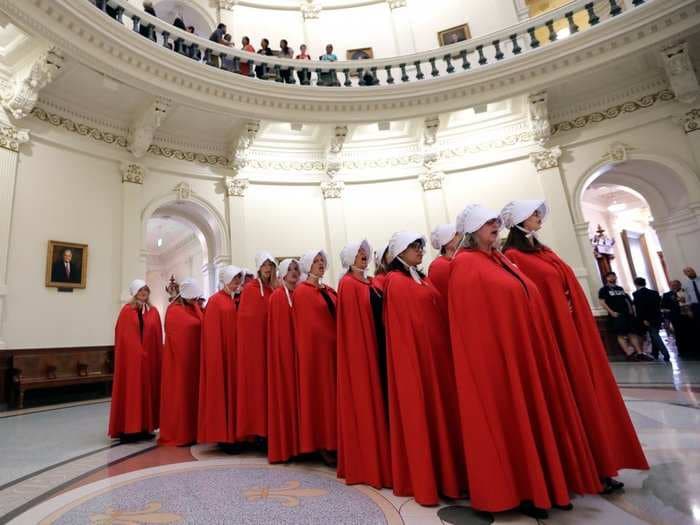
(647, 304)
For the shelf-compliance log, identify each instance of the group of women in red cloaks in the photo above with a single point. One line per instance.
(486, 379)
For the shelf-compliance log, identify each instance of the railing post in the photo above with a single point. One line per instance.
(637, 3)
(334, 78)
(119, 14)
(101, 5)
(482, 58)
(433, 68)
(389, 77)
(465, 63)
(278, 73)
(448, 61)
(499, 53)
(552, 32)
(292, 80)
(222, 58)
(419, 72)
(615, 8)
(360, 76)
(534, 43)
(516, 47)
(136, 23)
(251, 68)
(178, 46)
(404, 75)
(347, 82)
(592, 17)
(375, 79)
(305, 78)
(320, 81)
(194, 50)
(573, 28)
(236, 65)
(166, 37)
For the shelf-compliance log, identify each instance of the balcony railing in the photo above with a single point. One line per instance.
(526, 37)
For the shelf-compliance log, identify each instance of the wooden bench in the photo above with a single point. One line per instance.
(57, 367)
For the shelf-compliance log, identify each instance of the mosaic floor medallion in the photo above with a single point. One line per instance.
(216, 492)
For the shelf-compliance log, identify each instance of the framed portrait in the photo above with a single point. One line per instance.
(454, 35)
(361, 53)
(66, 265)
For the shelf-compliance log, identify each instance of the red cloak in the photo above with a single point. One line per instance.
(180, 382)
(133, 408)
(218, 350)
(612, 437)
(315, 338)
(426, 455)
(439, 274)
(282, 391)
(363, 433)
(251, 361)
(523, 436)
(378, 281)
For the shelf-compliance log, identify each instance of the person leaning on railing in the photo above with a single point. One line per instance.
(147, 30)
(304, 76)
(286, 52)
(245, 46)
(263, 70)
(326, 79)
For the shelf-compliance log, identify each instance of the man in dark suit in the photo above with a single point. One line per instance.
(673, 311)
(647, 304)
(65, 270)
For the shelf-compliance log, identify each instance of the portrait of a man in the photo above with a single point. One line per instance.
(66, 265)
(454, 35)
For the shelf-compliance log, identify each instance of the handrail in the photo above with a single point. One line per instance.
(462, 56)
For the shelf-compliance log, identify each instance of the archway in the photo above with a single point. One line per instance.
(191, 13)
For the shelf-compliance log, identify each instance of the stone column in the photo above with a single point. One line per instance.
(11, 139)
(434, 202)
(235, 203)
(402, 29)
(336, 231)
(559, 226)
(133, 257)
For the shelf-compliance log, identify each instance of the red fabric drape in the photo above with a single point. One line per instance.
(282, 389)
(216, 385)
(523, 436)
(180, 380)
(612, 437)
(378, 281)
(315, 338)
(439, 274)
(134, 407)
(251, 361)
(426, 455)
(363, 433)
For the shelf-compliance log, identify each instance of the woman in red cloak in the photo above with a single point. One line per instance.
(251, 351)
(523, 437)
(180, 383)
(363, 433)
(612, 437)
(282, 391)
(314, 316)
(444, 238)
(426, 455)
(138, 341)
(216, 414)
(380, 269)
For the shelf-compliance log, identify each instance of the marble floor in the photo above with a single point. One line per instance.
(58, 467)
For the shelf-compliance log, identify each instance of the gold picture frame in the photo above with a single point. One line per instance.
(361, 53)
(453, 35)
(66, 271)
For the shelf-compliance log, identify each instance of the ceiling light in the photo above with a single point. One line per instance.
(159, 242)
(617, 207)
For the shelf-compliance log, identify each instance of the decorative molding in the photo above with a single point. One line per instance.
(245, 141)
(431, 180)
(691, 121)
(227, 5)
(12, 138)
(236, 187)
(617, 152)
(538, 117)
(546, 159)
(680, 72)
(340, 134)
(430, 129)
(190, 156)
(183, 191)
(310, 10)
(133, 173)
(332, 189)
(20, 97)
(395, 4)
(613, 112)
(146, 124)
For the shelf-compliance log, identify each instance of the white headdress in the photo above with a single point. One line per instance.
(262, 257)
(189, 289)
(516, 212)
(350, 251)
(397, 244)
(441, 235)
(228, 273)
(284, 267)
(135, 286)
(307, 260)
(473, 217)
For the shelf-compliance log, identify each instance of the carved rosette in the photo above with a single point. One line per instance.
(183, 191)
(431, 180)
(332, 189)
(236, 187)
(546, 159)
(691, 120)
(133, 173)
(12, 138)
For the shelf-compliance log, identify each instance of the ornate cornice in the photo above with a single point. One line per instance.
(190, 156)
(133, 173)
(613, 112)
(12, 138)
(310, 10)
(546, 159)
(691, 121)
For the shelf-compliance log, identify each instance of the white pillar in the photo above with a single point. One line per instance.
(434, 203)
(133, 258)
(235, 193)
(559, 226)
(10, 140)
(401, 27)
(336, 231)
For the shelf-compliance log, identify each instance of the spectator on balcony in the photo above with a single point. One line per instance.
(228, 60)
(218, 35)
(148, 30)
(193, 51)
(245, 46)
(326, 79)
(263, 70)
(180, 23)
(304, 76)
(286, 52)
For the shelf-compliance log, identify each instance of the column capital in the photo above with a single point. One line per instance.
(431, 180)
(546, 158)
(395, 4)
(310, 10)
(133, 173)
(332, 189)
(12, 138)
(236, 187)
(691, 121)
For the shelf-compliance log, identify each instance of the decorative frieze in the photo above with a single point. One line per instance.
(332, 189)
(243, 144)
(617, 152)
(546, 158)
(538, 116)
(691, 121)
(146, 124)
(236, 187)
(183, 191)
(133, 173)
(431, 180)
(12, 138)
(680, 72)
(21, 95)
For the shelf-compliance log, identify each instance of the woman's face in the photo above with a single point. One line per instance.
(533, 222)
(318, 267)
(293, 273)
(487, 235)
(143, 294)
(451, 247)
(263, 44)
(413, 254)
(361, 259)
(235, 283)
(266, 270)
